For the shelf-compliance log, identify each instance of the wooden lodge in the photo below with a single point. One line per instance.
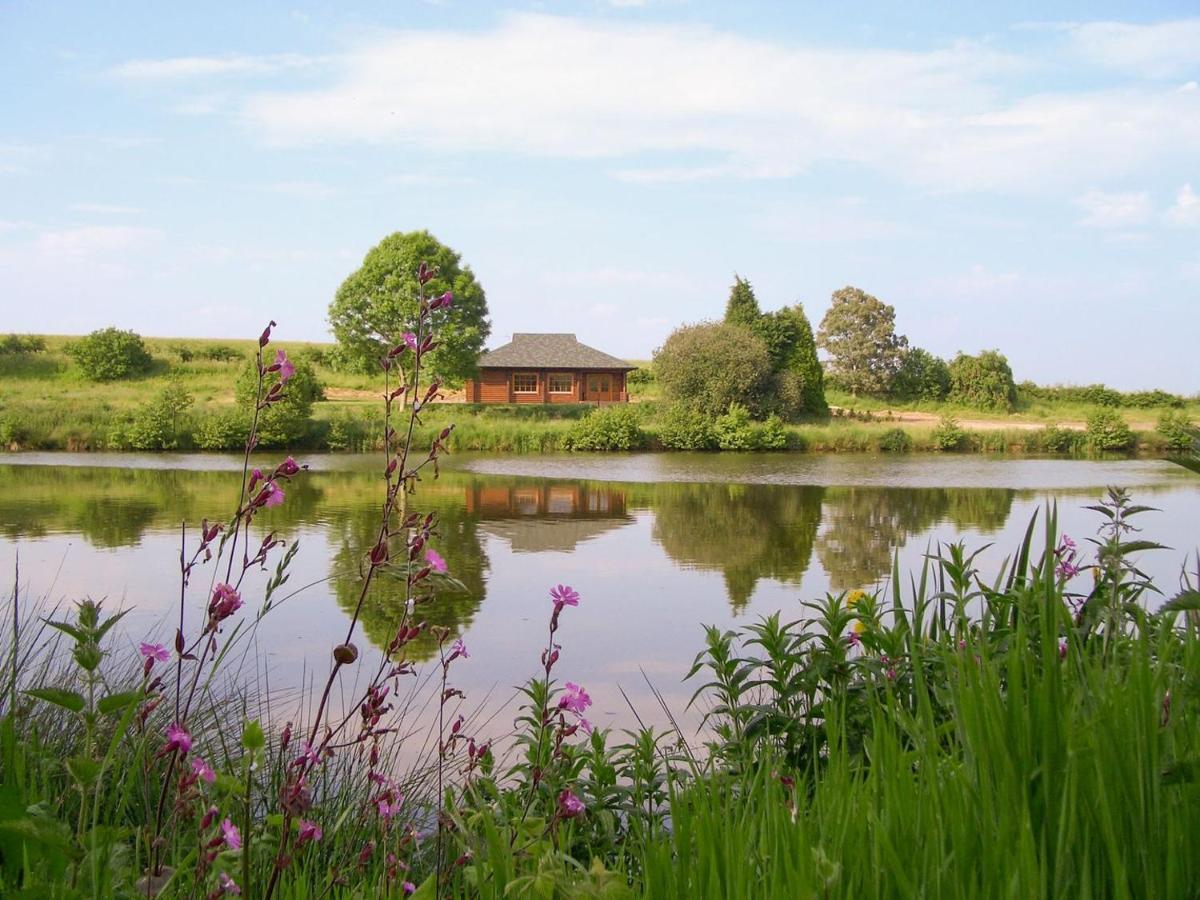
(548, 368)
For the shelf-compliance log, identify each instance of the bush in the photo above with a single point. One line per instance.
(710, 366)
(13, 344)
(1053, 439)
(156, 426)
(771, 435)
(640, 377)
(221, 353)
(948, 435)
(110, 354)
(983, 382)
(183, 352)
(287, 421)
(1107, 431)
(922, 377)
(610, 428)
(1177, 431)
(734, 430)
(225, 430)
(684, 428)
(895, 440)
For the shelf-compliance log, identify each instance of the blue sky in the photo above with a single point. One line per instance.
(1025, 177)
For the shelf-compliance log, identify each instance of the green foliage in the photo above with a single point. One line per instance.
(640, 377)
(742, 306)
(948, 435)
(771, 435)
(110, 354)
(17, 344)
(683, 427)
(158, 424)
(222, 430)
(1107, 431)
(377, 304)
(1098, 395)
(895, 440)
(983, 382)
(1177, 430)
(220, 353)
(733, 429)
(287, 421)
(859, 334)
(921, 377)
(799, 383)
(1053, 439)
(608, 428)
(711, 365)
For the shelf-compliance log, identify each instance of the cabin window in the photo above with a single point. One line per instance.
(525, 382)
(599, 384)
(561, 382)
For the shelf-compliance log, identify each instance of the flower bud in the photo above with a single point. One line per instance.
(345, 654)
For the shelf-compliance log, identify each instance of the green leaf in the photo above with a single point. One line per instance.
(68, 700)
(68, 629)
(252, 736)
(83, 769)
(114, 703)
(1184, 600)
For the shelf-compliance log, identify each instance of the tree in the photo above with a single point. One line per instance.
(377, 304)
(110, 354)
(711, 365)
(789, 339)
(286, 421)
(742, 307)
(859, 334)
(984, 381)
(922, 376)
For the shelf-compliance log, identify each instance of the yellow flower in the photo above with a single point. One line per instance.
(859, 626)
(853, 597)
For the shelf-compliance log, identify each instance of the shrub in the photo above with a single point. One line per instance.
(1107, 431)
(640, 377)
(948, 435)
(1152, 399)
(895, 440)
(983, 382)
(610, 428)
(1177, 430)
(1053, 439)
(287, 421)
(156, 426)
(734, 430)
(711, 365)
(183, 351)
(221, 353)
(13, 344)
(684, 428)
(771, 435)
(110, 354)
(224, 430)
(922, 377)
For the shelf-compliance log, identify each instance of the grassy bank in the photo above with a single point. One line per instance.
(47, 404)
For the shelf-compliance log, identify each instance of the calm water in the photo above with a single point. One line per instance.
(657, 545)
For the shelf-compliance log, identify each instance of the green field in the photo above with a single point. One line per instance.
(47, 403)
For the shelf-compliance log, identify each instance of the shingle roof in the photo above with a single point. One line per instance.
(549, 351)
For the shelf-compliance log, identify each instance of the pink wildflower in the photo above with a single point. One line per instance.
(287, 468)
(564, 595)
(286, 367)
(233, 837)
(569, 805)
(225, 602)
(435, 561)
(178, 739)
(309, 831)
(227, 884)
(265, 337)
(1065, 554)
(272, 495)
(574, 699)
(155, 651)
(409, 888)
(459, 648)
(1062, 649)
(442, 302)
(585, 725)
(410, 340)
(387, 810)
(203, 770)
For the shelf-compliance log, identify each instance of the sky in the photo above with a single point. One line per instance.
(1016, 176)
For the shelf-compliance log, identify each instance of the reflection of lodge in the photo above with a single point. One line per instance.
(535, 517)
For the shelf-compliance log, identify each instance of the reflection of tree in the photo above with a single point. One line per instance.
(865, 525)
(746, 532)
(353, 532)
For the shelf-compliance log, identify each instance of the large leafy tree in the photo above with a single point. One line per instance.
(377, 304)
(984, 381)
(711, 365)
(859, 334)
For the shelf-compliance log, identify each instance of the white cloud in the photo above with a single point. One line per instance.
(92, 241)
(1114, 210)
(185, 67)
(1160, 50)
(1186, 209)
(308, 190)
(113, 209)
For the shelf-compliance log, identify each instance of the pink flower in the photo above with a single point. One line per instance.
(227, 884)
(271, 495)
(410, 340)
(1062, 649)
(442, 302)
(155, 651)
(435, 561)
(569, 805)
(309, 831)
(458, 648)
(233, 837)
(203, 770)
(178, 739)
(409, 888)
(585, 725)
(387, 810)
(287, 468)
(574, 699)
(564, 595)
(265, 337)
(286, 367)
(225, 602)
(1065, 554)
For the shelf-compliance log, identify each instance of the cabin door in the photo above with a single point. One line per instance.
(600, 387)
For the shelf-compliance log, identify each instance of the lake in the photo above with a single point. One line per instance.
(657, 545)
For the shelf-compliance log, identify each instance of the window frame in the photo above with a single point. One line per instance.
(533, 375)
(569, 376)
